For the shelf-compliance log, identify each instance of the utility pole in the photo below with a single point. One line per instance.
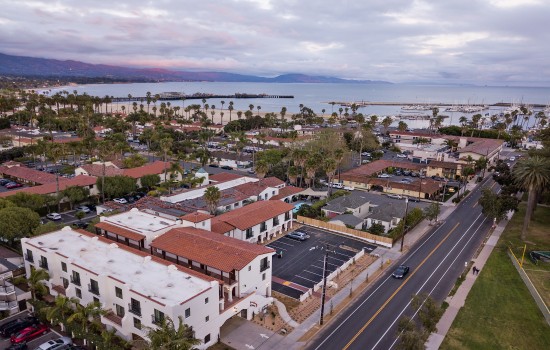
(404, 223)
(325, 263)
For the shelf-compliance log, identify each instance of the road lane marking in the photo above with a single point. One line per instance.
(400, 287)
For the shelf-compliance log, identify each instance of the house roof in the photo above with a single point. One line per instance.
(379, 166)
(253, 214)
(156, 167)
(196, 217)
(223, 176)
(28, 174)
(251, 188)
(272, 181)
(97, 170)
(444, 165)
(80, 180)
(347, 219)
(287, 191)
(220, 252)
(387, 208)
(482, 147)
(351, 201)
(220, 226)
(120, 231)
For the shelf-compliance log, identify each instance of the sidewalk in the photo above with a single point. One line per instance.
(457, 301)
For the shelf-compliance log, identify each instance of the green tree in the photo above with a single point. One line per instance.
(35, 282)
(429, 311)
(76, 194)
(377, 229)
(410, 337)
(27, 200)
(261, 167)
(83, 316)
(5, 203)
(533, 175)
(212, 197)
(116, 186)
(135, 160)
(432, 211)
(60, 311)
(167, 337)
(17, 222)
(149, 181)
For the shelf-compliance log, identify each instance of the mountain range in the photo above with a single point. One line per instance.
(44, 67)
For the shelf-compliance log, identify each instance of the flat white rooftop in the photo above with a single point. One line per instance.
(140, 221)
(165, 284)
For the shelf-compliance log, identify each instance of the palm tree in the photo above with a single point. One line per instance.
(533, 175)
(82, 317)
(230, 108)
(56, 152)
(386, 122)
(60, 312)
(329, 166)
(105, 150)
(165, 145)
(212, 197)
(35, 282)
(261, 167)
(167, 337)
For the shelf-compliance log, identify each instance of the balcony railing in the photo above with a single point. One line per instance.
(136, 310)
(29, 258)
(264, 267)
(156, 320)
(75, 281)
(93, 290)
(8, 305)
(7, 288)
(43, 264)
(111, 316)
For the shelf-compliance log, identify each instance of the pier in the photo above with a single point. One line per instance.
(180, 97)
(430, 104)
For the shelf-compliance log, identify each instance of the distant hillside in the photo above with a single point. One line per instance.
(44, 67)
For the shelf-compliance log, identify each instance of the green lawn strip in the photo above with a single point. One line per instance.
(499, 312)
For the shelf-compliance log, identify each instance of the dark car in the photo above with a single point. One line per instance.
(14, 326)
(400, 272)
(226, 167)
(29, 333)
(213, 165)
(301, 236)
(81, 224)
(4, 182)
(20, 346)
(13, 185)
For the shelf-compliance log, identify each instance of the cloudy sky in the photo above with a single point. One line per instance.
(493, 42)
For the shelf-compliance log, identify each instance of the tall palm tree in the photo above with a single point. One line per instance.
(167, 337)
(83, 316)
(61, 310)
(230, 108)
(105, 150)
(35, 282)
(165, 146)
(261, 167)
(533, 175)
(212, 197)
(329, 166)
(55, 153)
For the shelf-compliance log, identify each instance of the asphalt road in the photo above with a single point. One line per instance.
(436, 261)
(5, 343)
(301, 266)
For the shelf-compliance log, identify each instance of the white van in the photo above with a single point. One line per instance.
(62, 343)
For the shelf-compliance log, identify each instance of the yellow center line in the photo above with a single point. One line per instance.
(398, 289)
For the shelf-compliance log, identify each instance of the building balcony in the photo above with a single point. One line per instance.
(43, 264)
(135, 310)
(113, 317)
(29, 258)
(264, 267)
(7, 289)
(60, 290)
(156, 320)
(75, 281)
(8, 305)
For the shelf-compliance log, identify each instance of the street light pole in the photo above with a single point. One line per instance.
(323, 296)
(404, 223)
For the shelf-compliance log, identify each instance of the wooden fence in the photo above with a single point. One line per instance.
(369, 237)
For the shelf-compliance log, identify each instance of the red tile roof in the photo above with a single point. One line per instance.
(222, 177)
(379, 166)
(286, 192)
(482, 147)
(120, 231)
(254, 213)
(220, 226)
(97, 170)
(148, 169)
(80, 180)
(220, 252)
(251, 188)
(196, 217)
(444, 165)
(272, 182)
(28, 174)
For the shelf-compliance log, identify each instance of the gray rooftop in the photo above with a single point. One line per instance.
(348, 219)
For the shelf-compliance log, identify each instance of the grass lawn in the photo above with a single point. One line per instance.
(499, 312)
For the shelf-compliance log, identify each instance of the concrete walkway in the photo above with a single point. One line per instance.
(457, 301)
(284, 314)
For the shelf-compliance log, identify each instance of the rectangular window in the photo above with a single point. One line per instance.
(263, 276)
(207, 318)
(64, 266)
(249, 268)
(134, 307)
(96, 300)
(118, 292)
(249, 233)
(276, 221)
(28, 256)
(78, 293)
(119, 310)
(158, 317)
(93, 287)
(187, 313)
(206, 300)
(75, 278)
(43, 263)
(263, 227)
(264, 264)
(137, 323)
(65, 282)
(287, 216)
(207, 338)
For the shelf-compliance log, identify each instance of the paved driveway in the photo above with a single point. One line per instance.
(301, 266)
(5, 343)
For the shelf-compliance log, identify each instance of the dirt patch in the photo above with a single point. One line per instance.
(220, 346)
(272, 320)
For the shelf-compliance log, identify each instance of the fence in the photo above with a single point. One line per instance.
(369, 237)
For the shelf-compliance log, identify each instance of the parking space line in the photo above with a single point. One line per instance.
(276, 247)
(279, 241)
(307, 279)
(313, 273)
(333, 258)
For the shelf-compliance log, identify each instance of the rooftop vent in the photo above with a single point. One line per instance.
(170, 285)
(110, 261)
(138, 272)
(164, 223)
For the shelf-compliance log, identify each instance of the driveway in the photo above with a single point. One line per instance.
(5, 343)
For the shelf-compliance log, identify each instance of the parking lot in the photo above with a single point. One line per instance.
(301, 265)
(5, 343)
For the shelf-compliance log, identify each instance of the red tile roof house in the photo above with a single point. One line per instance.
(255, 222)
(242, 267)
(22, 174)
(50, 188)
(156, 167)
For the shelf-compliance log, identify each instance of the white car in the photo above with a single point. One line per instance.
(401, 156)
(512, 159)
(395, 196)
(56, 344)
(83, 209)
(120, 200)
(384, 176)
(54, 216)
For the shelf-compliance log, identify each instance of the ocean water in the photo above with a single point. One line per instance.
(318, 96)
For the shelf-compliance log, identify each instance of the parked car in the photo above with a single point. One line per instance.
(401, 156)
(29, 333)
(120, 200)
(4, 182)
(213, 165)
(251, 172)
(406, 172)
(81, 224)
(54, 216)
(397, 173)
(130, 199)
(395, 196)
(406, 181)
(12, 185)
(400, 272)
(301, 236)
(83, 209)
(384, 176)
(413, 199)
(14, 326)
(63, 343)
(226, 167)
(20, 346)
